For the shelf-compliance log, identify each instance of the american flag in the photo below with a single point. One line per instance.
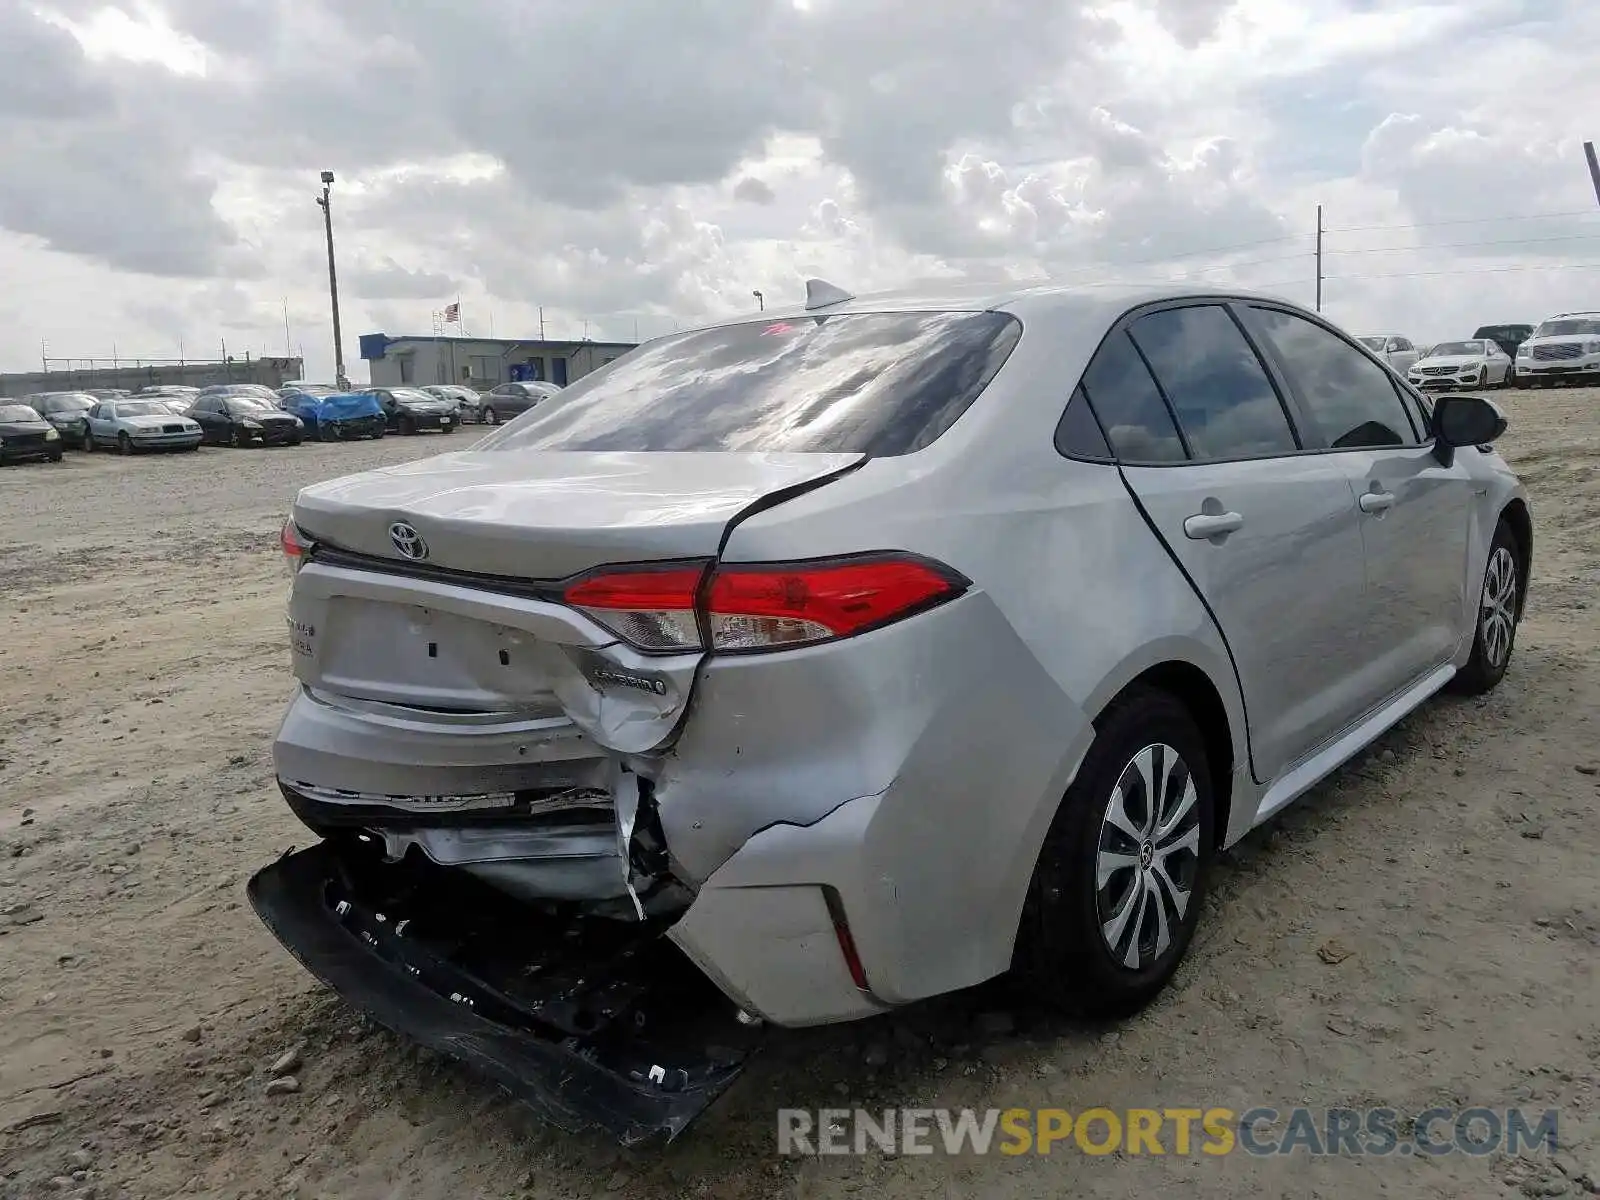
(452, 313)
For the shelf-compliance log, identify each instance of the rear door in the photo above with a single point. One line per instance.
(1267, 534)
(1415, 513)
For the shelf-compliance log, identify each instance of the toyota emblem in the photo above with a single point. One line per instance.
(408, 541)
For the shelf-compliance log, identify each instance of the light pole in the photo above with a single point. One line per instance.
(761, 301)
(333, 282)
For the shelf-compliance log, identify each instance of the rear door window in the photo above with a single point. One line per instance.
(1136, 420)
(872, 383)
(1226, 405)
(1350, 398)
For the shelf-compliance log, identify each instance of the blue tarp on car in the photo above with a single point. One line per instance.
(341, 406)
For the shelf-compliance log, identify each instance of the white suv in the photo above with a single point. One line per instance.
(1563, 349)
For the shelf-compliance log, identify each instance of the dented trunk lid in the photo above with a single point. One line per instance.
(546, 515)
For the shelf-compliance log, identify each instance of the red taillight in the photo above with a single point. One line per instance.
(295, 545)
(762, 606)
(652, 609)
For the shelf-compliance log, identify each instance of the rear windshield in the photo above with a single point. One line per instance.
(872, 383)
(1373, 343)
(1568, 326)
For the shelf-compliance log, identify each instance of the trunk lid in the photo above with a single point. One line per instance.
(545, 515)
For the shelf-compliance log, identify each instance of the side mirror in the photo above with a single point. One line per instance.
(1465, 421)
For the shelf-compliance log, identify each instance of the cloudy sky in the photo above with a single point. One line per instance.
(638, 164)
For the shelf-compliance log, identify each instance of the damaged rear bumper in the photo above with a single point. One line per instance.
(595, 1025)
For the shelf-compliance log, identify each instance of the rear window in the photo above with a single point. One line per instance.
(872, 383)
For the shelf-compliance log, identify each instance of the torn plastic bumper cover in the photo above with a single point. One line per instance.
(596, 1024)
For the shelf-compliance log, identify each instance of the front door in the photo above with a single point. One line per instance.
(1414, 513)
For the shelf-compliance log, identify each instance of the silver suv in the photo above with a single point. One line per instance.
(792, 669)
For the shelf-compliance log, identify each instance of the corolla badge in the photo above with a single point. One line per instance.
(408, 541)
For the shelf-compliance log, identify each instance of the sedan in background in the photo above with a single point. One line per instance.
(26, 436)
(67, 412)
(469, 405)
(411, 410)
(1455, 366)
(1397, 351)
(513, 399)
(133, 425)
(107, 393)
(241, 421)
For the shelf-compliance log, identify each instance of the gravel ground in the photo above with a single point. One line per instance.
(144, 1011)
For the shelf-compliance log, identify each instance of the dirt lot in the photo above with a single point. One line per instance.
(141, 1004)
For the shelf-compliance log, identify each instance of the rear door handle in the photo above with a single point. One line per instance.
(1376, 502)
(1212, 525)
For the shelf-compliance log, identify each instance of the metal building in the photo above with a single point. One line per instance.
(481, 362)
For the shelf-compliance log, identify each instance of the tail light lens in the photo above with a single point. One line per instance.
(295, 546)
(763, 606)
(653, 610)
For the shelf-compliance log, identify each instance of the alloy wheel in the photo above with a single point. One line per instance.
(1498, 608)
(1148, 857)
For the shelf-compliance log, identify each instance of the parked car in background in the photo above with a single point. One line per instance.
(792, 670)
(107, 393)
(411, 410)
(1507, 337)
(67, 413)
(130, 425)
(1564, 349)
(1476, 363)
(338, 415)
(469, 406)
(513, 399)
(241, 421)
(168, 390)
(1397, 351)
(25, 436)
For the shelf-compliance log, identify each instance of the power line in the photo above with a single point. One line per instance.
(1549, 216)
(1566, 237)
(1473, 271)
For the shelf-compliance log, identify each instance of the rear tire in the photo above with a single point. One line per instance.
(56, 457)
(327, 433)
(406, 426)
(88, 443)
(1494, 635)
(1120, 882)
(236, 438)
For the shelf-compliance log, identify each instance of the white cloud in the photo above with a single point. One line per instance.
(650, 166)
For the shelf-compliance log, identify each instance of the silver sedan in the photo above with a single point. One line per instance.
(856, 654)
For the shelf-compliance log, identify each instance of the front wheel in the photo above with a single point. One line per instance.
(236, 438)
(378, 432)
(1499, 611)
(56, 456)
(1120, 881)
(490, 417)
(327, 433)
(124, 444)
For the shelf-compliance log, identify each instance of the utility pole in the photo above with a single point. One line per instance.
(1594, 168)
(541, 322)
(1319, 258)
(333, 281)
(761, 301)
